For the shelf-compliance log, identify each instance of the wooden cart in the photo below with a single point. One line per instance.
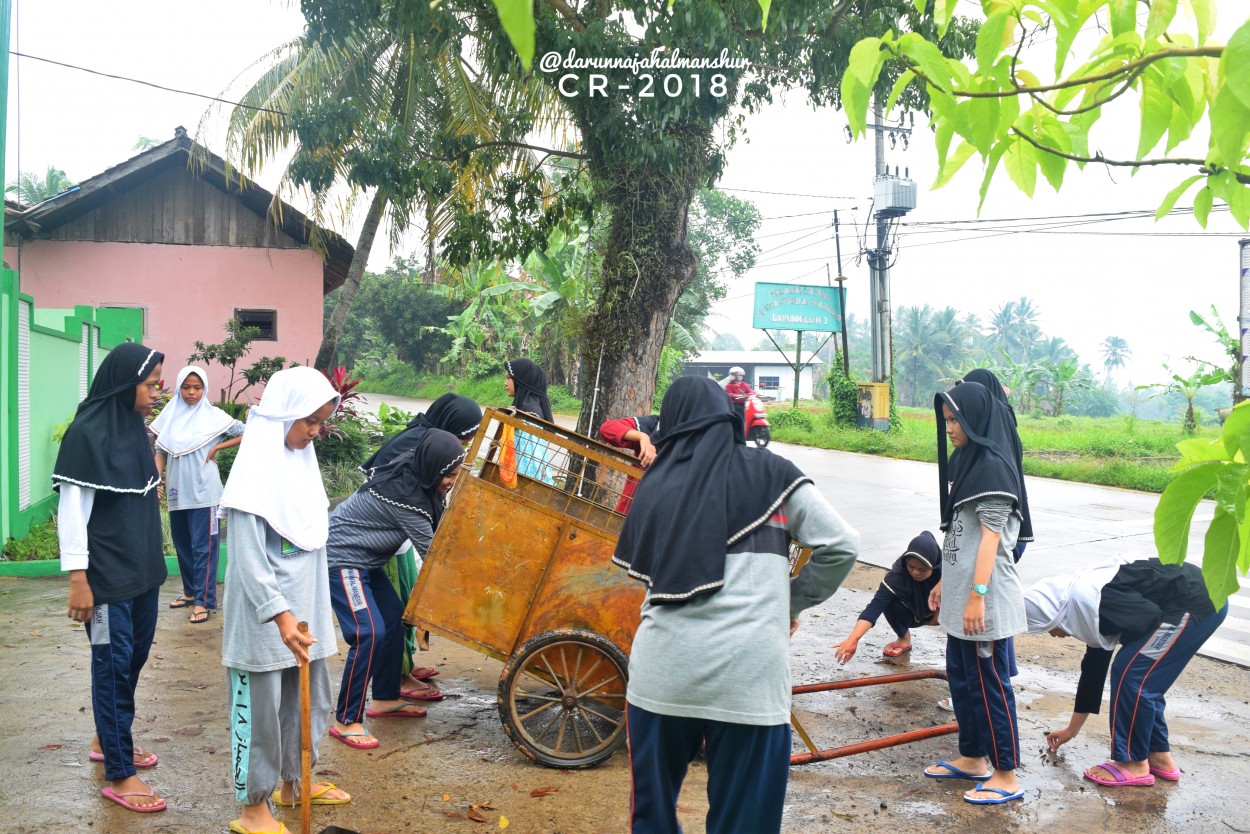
(521, 570)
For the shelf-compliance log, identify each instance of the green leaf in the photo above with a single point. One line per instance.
(991, 165)
(925, 55)
(1219, 558)
(1169, 202)
(862, 68)
(517, 19)
(943, 11)
(897, 90)
(983, 122)
(1161, 14)
(1156, 111)
(953, 164)
(1235, 67)
(1175, 512)
(1204, 13)
(1230, 127)
(1201, 450)
(1053, 167)
(991, 38)
(765, 5)
(1202, 206)
(1123, 16)
(1020, 160)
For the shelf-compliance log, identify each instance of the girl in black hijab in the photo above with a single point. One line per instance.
(709, 534)
(527, 385)
(903, 596)
(452, 413)
(109, 527)
(980, 600)
(987, 378)
(404, 500)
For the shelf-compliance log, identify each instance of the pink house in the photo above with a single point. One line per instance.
(178, 234)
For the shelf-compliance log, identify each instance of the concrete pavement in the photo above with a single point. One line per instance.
(1076, 525)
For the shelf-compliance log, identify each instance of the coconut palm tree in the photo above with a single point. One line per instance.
(1115, 351)
(31, 188)
(419, 103)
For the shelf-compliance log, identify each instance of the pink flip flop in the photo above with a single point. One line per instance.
(354, 739)
(120, 799)
(431, 694)
(1123, 779)
(424, 673)
(148, 760)
(1166, 775)
(401, 711)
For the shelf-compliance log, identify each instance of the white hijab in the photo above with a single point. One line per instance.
(1071, 603)
(281, 485)
(180, 428)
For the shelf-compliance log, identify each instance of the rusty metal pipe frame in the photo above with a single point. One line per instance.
(816, 755)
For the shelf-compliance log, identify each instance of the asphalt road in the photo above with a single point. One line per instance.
(1076, 525)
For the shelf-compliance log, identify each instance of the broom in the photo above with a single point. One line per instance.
(305, 752)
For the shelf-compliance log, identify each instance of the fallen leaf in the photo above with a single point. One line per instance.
(485, 805)
(515, 786)
(455, 814)
(51, 747)
(476, 815)
(545, 791)
(503, 822)
(447, 797)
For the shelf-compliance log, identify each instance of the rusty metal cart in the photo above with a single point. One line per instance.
(521, 570)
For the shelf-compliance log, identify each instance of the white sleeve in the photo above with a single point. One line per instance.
(71, 525)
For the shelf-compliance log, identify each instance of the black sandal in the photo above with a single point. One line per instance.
(198, 617)
(182, 602)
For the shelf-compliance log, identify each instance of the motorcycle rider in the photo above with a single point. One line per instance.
(739, 391)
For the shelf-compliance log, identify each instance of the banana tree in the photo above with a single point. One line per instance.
(1188, 387)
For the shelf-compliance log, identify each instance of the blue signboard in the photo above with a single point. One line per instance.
(798, 307)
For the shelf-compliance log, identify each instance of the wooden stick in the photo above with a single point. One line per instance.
(305, 745)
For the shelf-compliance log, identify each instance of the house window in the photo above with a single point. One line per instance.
(265, 320)
(770, 383)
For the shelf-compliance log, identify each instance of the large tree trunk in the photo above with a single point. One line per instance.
(326, 357)
(646, 267)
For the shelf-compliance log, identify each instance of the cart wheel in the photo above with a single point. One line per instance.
(562, 698)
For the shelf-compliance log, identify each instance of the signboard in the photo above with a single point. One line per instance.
(797, 307)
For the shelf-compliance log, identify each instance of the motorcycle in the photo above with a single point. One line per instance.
(755, 421)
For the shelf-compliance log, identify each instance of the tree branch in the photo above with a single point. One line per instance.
(548, 151)
(1131, 67)
(568, 13)
(1129, 163)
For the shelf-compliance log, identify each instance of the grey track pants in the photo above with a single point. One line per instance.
(264, 727)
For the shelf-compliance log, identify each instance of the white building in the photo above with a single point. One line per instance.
(767, 371)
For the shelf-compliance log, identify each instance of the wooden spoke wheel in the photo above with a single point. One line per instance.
(562, 698)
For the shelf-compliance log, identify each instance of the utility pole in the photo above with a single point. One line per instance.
(837, 240)
(894, 197)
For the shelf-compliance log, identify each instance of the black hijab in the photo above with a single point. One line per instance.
(986, 377)
(106, 446)
(988, 465)
(411, 480)
(531, 388)
(452, 413)
(705, 491)
(913, 594)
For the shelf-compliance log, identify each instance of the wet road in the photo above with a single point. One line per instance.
(1076, 525)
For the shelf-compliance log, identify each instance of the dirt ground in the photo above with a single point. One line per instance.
(429, 772)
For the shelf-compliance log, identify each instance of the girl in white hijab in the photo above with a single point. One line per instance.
(190, 431)
(276, 577)
(1160, 615)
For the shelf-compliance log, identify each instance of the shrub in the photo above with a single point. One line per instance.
(40, 543)
(792, 418)
(349, 442)
(843, 396)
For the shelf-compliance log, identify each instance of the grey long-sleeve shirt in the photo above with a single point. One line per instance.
(726, 656)
(265, 576)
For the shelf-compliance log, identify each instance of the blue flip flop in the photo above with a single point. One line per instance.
(1004, 796)
(955, 773)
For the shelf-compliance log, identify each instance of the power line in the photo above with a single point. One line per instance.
(787, 194)
(148, 84)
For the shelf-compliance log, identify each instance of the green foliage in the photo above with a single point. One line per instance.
(999, 109)
(843, 396)
(1218, 468)
(1188, 387)
(31, 188)
(791, 418)
(393, 420)
(671, 362)
(348, 442)
(389, 376)
(225, 462)
(229, 351)
(40, 543)
(341, 478)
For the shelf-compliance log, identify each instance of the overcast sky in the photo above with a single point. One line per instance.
(1136, 279)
